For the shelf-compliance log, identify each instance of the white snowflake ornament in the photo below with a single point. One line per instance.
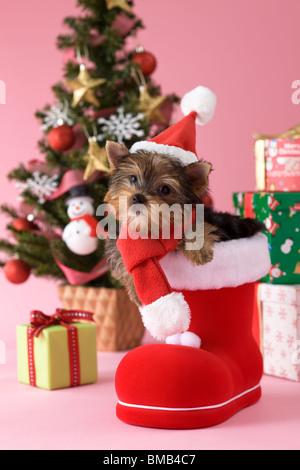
(40, 185)
(58, 115)
(122, 126)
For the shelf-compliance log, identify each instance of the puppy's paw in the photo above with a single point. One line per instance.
(199, 257)
(207, 254)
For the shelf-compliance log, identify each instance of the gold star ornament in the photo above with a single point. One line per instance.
(151, 106)
(84, 87)
(122, 4)
(96, 159)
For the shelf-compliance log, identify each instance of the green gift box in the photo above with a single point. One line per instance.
(57, 353)
(280, 212)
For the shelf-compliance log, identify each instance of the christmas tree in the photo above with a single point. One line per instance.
(106, 93)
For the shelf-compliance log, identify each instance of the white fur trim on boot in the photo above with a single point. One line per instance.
(167, 316)
(235, 262)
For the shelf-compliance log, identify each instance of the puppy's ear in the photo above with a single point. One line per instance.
(115, 153)
(197, 174)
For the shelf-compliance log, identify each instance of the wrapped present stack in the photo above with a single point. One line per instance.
(276, 202)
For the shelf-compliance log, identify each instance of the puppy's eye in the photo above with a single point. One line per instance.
(164, 189)
(133, 179)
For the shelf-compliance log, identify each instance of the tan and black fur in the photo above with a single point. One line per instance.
(152, 179)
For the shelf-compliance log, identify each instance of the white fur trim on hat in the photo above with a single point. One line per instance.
(166, 316)
(185, 156)
(235, 262)
(203, 101)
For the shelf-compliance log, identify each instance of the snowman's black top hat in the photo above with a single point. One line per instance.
(80, 190)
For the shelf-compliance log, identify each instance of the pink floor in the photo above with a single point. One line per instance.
(84, 418)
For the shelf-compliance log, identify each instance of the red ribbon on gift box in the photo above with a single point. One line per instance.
(248, 206)
(39, 321)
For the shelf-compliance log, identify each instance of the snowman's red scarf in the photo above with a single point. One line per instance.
(141, 258)
(91, 221)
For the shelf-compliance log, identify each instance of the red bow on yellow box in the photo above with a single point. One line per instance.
(39, 320)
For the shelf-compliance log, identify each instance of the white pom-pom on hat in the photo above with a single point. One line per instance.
(201, 100)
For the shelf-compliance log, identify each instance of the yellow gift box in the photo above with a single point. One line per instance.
(51, 356)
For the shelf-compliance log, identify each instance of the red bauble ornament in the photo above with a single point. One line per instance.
(146, 61)
(17, 271)
(23, 225)
(61, 138)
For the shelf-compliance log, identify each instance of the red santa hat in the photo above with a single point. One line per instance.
(179, 140)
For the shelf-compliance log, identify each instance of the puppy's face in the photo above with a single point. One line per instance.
(144, 185)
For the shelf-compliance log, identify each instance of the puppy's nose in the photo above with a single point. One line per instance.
(138, 199)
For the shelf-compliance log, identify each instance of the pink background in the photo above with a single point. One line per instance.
(246, 52)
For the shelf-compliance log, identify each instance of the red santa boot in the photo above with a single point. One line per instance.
(179, 386)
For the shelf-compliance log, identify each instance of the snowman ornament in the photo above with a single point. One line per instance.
(80, 235)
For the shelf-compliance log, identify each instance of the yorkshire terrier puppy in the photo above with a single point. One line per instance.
(147, 181)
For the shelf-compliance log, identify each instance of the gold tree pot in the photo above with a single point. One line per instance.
(118, 320)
